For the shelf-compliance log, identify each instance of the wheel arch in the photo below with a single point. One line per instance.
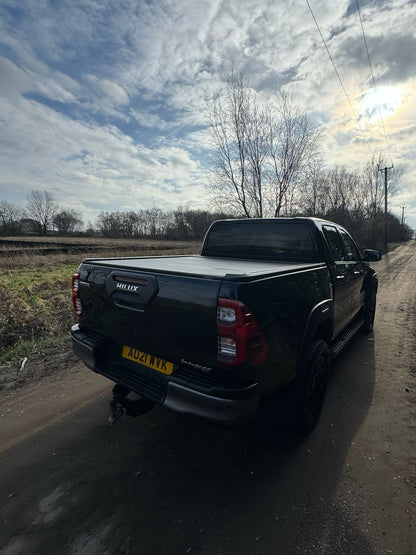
(370, 282)
(320, 326)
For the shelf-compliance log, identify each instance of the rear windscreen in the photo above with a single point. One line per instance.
(261, 240)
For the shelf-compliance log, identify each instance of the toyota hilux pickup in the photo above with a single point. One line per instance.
(262, 309)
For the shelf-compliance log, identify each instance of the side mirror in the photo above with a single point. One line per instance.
(372, 256)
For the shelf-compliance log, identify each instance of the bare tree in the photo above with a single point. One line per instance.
(10, 218)
(116, 224)
(67, 221)
(293, 145)
(342, 190)
(231, 120)
(42, 208)
(312, 199)
(373, 188)
(259, 153)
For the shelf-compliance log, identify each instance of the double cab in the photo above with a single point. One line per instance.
(261, 310)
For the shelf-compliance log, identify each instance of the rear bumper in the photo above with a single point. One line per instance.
(221, 410)
(222, 403)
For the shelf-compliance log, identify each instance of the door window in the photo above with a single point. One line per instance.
(334, 242)
(350, 249)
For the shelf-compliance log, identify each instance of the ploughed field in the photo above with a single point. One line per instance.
(35, 297)
(14, 248)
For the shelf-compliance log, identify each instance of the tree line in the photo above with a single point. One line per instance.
(43, 216)
(338, 198)
(181, 224)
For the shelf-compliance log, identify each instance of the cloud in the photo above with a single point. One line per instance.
(13, 80)
(147, 119)
(111, 91)
(105, 103)
(83, 164)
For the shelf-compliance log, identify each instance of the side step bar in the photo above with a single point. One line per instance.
(346, 336)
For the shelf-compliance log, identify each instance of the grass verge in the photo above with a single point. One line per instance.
(35, 305)
(29, 348)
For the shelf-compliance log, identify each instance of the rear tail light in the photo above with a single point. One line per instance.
(76, 301)
(239, 335)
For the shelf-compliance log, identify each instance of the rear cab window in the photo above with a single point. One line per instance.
(262, 239)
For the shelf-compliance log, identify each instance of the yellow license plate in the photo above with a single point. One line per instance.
(150, 361)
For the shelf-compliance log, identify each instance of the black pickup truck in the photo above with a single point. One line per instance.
(262, 309)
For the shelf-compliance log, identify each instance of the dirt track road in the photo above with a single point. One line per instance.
(161, 484)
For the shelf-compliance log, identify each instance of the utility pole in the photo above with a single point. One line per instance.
(385, 170)
(403, 222)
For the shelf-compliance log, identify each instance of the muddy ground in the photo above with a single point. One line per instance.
(162, 483)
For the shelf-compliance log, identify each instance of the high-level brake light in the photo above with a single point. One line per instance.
(239, 335)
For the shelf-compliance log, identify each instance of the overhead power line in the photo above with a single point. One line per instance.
(339, 77)
(373, 80)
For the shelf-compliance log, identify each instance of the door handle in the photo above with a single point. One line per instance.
(341, 276)
(357, 273)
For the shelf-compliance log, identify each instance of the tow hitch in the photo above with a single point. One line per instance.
(126, 401)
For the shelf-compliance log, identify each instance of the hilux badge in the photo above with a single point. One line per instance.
(127, 287)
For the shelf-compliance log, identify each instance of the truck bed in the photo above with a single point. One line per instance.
(205, 266)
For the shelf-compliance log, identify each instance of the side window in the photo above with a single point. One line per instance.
(351, 251)
(334, 242)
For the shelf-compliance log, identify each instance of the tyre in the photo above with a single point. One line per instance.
(369, 310)
(312, 387)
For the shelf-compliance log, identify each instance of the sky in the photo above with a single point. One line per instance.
(104, 104)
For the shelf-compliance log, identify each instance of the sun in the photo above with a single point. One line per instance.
(380, 103)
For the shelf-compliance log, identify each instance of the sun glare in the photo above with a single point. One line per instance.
(379, 103)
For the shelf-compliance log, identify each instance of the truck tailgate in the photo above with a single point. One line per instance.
(169, 316)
